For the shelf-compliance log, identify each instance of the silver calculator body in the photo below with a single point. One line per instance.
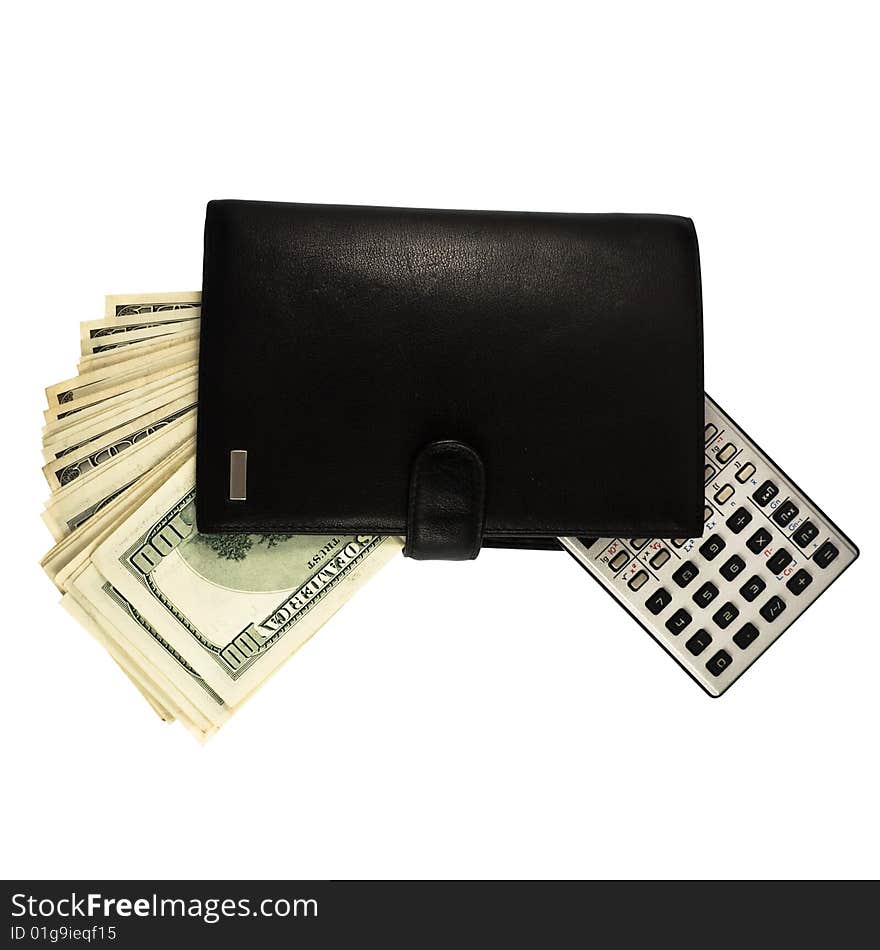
(717, 602)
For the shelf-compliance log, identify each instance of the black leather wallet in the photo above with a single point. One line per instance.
(465, 378)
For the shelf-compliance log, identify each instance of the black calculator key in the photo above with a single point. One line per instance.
(759, 540)
(786, 512)
(656, 602)
(805, 534)
(698, 642)
(678, 621)
(746, 635)
(779, 561)
(826, 554)
(773, 608)
(732, 567)
(719, 663)
(799, 582)
(766, 493)
(752, 588)
(706, 594)
(685, 574)
(712, 547)
(725, 615)
(739, 519)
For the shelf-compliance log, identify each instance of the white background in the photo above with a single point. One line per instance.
(496, 718)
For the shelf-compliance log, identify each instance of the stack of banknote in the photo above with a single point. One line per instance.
(197, 622)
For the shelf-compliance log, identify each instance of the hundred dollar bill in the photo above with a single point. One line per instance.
(125, 413)
(139, 679)
(233, 606)
(75, 503)
(98, 608)
(74, 430)
(169, 678)
(124, 306)
(162, 695)
(75, 395)
(116, 361)
(102, 449)
(70, 554)
(98, 336)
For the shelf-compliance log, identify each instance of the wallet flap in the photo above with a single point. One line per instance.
(565, 351)
(446, 503)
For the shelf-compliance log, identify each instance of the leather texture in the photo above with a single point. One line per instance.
(564, 349)
(446, 503)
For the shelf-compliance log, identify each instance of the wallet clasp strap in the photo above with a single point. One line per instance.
(447, 493)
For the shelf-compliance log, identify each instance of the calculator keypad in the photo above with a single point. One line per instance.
(753, 588)
(739, 519)
(685, 574)
(806, 533)
(717, 602)
(698, 642)
(759, 540)
(705, 594)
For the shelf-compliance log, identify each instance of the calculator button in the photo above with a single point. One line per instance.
(752, 588)
(826, 554)
(727, 452)
(678, 542)
(732, 567)
(799, 582)
(759, 540)
(706, 594)
(725, 493)
(745, 473)
(639, 543)
(779, 562)
(619, 559)
(773, 608)
(660, 558)
(725, 615)
(685, 574)
(786, 512)
(766, 493)
(698, 642)
(678, 621)
(710, 432)
(708, 472)
(806, 533)
(707, 513)
(738, 520)
(747, 634)
(637, 581)
(719, 663)
(656, 602)
(712, 547)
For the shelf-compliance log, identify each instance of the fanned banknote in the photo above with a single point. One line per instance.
(196, 622)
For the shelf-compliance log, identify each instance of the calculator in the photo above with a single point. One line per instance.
(717, 602)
